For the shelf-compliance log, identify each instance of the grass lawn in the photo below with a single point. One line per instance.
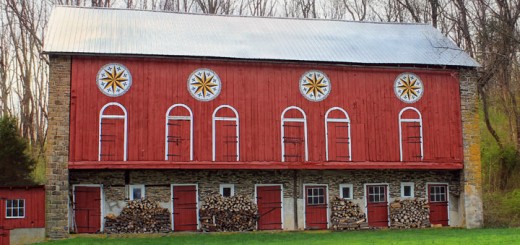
(422, 236)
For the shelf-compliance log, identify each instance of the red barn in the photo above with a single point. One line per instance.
(22, 215)
(292, 113)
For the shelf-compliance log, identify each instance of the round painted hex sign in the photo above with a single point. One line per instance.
(114, 79)
(204, 84)
(315, 86)
(408, 87)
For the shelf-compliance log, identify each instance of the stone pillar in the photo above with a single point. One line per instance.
(473, 216)
(57, 148)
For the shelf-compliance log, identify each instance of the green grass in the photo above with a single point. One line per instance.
(423, 236)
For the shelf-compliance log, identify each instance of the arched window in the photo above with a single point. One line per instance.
(178, 144)
(337, 135)
(113, 133)
(294, 135)
(226, 134)
(410, 135)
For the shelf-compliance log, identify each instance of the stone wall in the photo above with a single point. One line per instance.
(471, 175)
(157, 185)
(57, 148)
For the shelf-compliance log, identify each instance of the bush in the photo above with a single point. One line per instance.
(16, 164)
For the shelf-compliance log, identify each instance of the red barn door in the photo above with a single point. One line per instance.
(377, 205)
(4, 233)
(184, 207)
(269, 201)
(316, 207)
(87, 209)
(438, 198)
(4, 237)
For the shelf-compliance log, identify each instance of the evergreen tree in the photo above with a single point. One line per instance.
(16, 164)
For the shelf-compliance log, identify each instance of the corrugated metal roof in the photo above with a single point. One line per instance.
(122, 31)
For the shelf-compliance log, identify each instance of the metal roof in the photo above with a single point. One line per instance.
(76, 30)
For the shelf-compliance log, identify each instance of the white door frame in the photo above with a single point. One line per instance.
(196, 199)
(281, 199)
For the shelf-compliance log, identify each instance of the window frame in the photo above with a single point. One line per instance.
(136, 186)
(351, 186)
(299, 120)
(410, 120)
(178, 118)
(337, 120)
(13, 208)
(124, 117)
(412, 189)
(223, 186)
(236, 119)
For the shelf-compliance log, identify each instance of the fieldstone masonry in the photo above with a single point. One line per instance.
(57, 183)
(471, 175)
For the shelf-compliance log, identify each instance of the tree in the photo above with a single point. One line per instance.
(16, 164)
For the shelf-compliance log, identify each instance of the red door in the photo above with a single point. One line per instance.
(316, 207)
(184, 208)
(4, 233)
(377, 205)
(4, 236)
(438, 197)
(87, 209)
(269, 201)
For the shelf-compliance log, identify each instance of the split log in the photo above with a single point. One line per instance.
(236, 213)
(347, 215)
(409, 213)
(139, 216)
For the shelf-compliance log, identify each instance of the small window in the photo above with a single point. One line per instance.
(345, 191)
(15, 208)
(316, 196)
(227, 190)
(407, 189)
(136, 192)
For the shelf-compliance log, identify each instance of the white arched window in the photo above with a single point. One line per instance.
(226, 134)
(178, 144)
(294, 135)
(337, 135)
(113, 133)
(410, 135)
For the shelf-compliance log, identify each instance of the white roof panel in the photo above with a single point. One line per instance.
(136, 32)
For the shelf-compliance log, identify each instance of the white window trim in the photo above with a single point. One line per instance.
(124, 117)
(178, 118)
(351, 186)
(302, 120)
(412, 189)
(18, 208)
(131, 191)
(419, 120)
(337, 120)
(231, 186)
(214, 134)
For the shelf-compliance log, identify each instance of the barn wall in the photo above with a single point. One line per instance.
(260, 92)
(57, 148)
(157, 184)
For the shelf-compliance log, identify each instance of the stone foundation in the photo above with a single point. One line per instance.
(157, 184)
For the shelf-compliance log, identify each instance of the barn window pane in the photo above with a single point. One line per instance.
(227, 190)
(137, 192)
(15, 208)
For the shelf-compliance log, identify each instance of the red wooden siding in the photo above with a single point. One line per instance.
(184, 208)
(4, 236)
(438, 198)
(87, 209)
(377, 205)
(316, 205)
(269, 201)
(260, 92)
(34, 203)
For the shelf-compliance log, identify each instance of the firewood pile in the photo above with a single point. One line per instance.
(347, 215)
(139, 216)
(409, 213)
(236, 213)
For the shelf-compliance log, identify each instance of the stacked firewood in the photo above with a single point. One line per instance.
(139, 216)
(236, 213)
(409, 213)
(347, 215)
